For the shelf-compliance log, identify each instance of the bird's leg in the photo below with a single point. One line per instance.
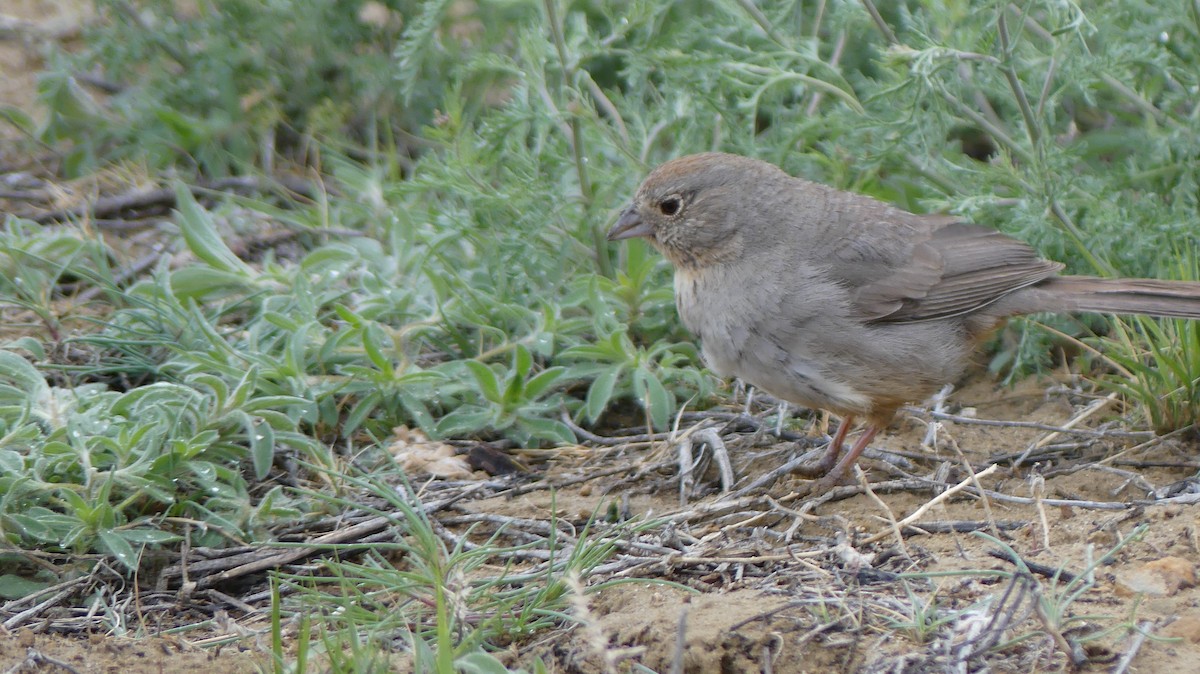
(847, 463)
(827, 462)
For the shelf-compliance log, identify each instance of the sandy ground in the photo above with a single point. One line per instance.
(25, 25)
(739, 605)
(776, 620)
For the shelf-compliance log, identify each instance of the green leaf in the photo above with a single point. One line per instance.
(11, 462)
(196, 282)
(16, 370)
(417, 410)
(200, 233)
(485, 380)
(361, 411)
(461, 422)
(148, 536)
(262, 448)
(41, 524)
(654, 398)
(111, 542)
(600, 392)
(550, 430)
(372, 340)
(30, 344)
(543, 381)
(15, 587)
(522, 361)
(479, 662)
(19, 119)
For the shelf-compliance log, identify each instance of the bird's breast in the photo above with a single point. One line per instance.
(740, 336)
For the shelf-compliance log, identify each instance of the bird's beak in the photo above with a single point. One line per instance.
(629, 225)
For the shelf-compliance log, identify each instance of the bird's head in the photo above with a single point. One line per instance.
(694, 209)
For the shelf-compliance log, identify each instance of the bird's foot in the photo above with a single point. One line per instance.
(836, 470)
(826, 483)
(829, 460)
(816, 468)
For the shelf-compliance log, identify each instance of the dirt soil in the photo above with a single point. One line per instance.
(787, 584)
(796, 588)
(25, 27)
(807, 614)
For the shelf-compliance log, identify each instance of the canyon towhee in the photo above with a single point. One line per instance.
(833, 300)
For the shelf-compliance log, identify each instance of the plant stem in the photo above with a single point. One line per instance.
(600, 245)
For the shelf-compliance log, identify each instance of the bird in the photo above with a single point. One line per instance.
(833, 300)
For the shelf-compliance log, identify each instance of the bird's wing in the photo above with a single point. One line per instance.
(951, 268)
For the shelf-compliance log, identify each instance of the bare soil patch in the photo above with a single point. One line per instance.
(804, 600)
(27, 652)
(25, 26)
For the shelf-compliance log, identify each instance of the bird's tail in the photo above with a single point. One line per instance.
(1151, 297)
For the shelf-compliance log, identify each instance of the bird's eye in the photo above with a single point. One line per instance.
(670, 205)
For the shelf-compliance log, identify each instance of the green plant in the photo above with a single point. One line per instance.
(516, 406)
(88, 469)
(34, 261)
(444, 594)
(1054, 602)
(1160, 362)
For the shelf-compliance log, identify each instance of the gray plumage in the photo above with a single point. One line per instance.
(835, 300)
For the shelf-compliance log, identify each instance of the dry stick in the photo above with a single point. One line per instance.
(939, 405)
(291, 555)
(891, 517)
(29, 598)
(1034, 567)
(23, 195)
(719, 507)
(35, 659)
(961, 527)
(545, 484)
(756, 559)
(755, 424)
(1086, 432)
(1073, 651)
(107, 206)
(606, 105)
(680, 640)
(1123, 89)
(1092, 408)
(233, 601)
(686, 462)
(987, 505)
(721, 454)
(1069, 503)
(34, 610)
(768, 655)
(1186, 465)
(256, 563)
(876, 17)
(1143, 631)
(1037, 488)
(1003, 614)
(771, 476)
(12, 27)
(1149, 443)
(920, 512)
(850, 491)
(593, 634)
(640, 438)
(138, 267)
(838, 46)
